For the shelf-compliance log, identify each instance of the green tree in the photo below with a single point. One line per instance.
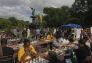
(21, 24)
(82, 9)
(5, 23)
(56, 16)
(18, 23)
(13, 21)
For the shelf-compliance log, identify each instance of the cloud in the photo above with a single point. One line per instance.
(40, 4)
(17, 8)
(21, 8)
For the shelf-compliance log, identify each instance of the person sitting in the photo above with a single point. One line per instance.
(7, 51)
(27, 52)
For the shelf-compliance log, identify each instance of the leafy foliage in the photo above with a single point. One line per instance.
(82, 9)
(12, 23)
(58, 16)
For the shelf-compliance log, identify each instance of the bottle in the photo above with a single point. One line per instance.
(73, 57)
(68, 57)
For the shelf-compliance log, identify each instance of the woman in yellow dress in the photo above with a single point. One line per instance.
(27, 52)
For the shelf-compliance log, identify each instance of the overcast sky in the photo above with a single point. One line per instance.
(21, 8)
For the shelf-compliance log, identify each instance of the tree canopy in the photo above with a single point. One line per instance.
(82, 9)
(12, 22)
(79, 13)
(56, 16)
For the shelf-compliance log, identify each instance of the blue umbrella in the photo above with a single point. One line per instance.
(72, 26)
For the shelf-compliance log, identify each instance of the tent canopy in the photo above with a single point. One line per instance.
(72, 26)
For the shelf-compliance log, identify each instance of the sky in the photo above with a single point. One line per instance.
(21, 8)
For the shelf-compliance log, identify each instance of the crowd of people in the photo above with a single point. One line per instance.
(61, 46)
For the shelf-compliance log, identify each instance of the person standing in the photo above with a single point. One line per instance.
(28, 33)
(38, 33)
(83, 52)
(24, 34)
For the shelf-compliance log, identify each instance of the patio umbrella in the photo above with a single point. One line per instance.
(72, 26)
